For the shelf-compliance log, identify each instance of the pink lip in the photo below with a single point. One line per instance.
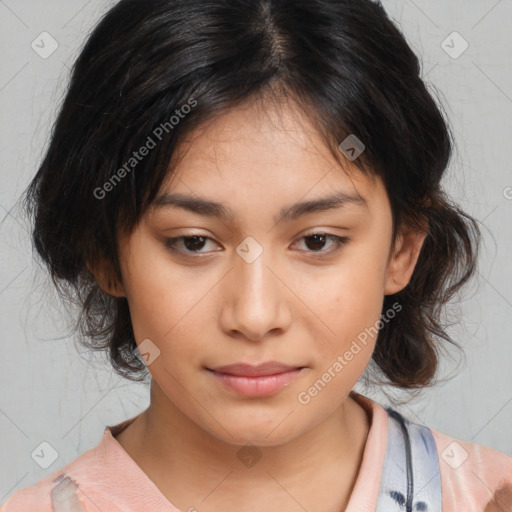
(256, 381)
(248, 370)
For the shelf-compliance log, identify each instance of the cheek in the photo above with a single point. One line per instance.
(169, 306)
(160, 296)
(352, 296)
(350, 305)
(174, 326)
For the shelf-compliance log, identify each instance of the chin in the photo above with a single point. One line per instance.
(263, 435)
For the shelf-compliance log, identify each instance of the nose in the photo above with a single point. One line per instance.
(255, 301)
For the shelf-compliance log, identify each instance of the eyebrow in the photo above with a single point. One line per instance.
(206, 207)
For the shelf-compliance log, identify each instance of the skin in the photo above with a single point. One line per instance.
(301, 302)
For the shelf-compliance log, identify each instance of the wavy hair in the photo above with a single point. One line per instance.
(344, 64)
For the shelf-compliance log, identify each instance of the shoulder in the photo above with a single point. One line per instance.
(61, 490)
(473, 475)
(57, 492)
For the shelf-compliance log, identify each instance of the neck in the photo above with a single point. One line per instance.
(184, 461)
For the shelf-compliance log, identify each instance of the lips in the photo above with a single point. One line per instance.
(258, 381)
(263, 369)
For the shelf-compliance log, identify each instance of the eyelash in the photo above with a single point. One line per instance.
(339, 242)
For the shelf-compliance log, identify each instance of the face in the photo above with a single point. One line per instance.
(274, 271)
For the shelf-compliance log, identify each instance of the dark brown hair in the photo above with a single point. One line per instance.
(345, 64)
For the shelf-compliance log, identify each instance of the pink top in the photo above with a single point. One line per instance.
(473, 477)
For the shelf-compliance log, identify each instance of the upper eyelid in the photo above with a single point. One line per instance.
(306, 235)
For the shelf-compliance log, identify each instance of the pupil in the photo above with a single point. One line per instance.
(322, 237)
(193, 245)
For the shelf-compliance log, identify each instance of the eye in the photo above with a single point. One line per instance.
(193, 244)
(316, 241)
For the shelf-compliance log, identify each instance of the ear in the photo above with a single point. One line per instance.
(109, 284)
(403, 259)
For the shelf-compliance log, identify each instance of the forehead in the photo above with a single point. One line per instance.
(262, 134)
(264, 150)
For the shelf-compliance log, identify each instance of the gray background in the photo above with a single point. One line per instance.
(52, 393)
